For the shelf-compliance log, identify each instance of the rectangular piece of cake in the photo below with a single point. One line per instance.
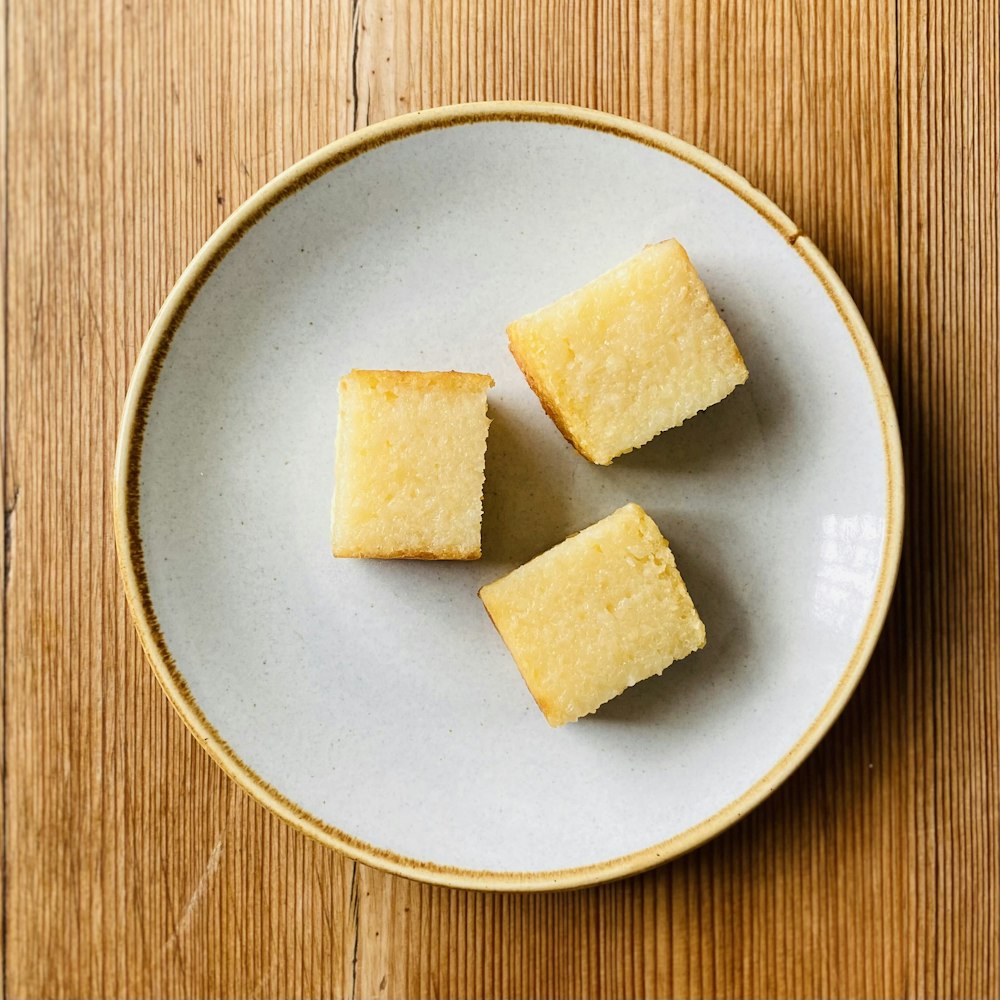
(410, 465)
(595, 614)
(635, 352)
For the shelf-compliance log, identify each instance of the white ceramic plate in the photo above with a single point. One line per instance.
(371, 704)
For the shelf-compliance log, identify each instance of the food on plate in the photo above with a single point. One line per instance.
(634, 352)
(595, 614)
(410, 465)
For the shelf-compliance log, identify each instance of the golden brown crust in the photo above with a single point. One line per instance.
(385, 379)
(548, 404)
(458, 555)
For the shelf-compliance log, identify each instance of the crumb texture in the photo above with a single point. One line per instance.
(596, 614)
(410, 465)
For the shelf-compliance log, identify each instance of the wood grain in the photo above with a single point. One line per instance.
(131, 866)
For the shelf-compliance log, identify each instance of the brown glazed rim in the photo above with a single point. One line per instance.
(153, 355)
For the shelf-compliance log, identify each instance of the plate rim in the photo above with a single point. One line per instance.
(135, 413)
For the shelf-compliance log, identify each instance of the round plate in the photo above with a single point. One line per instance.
(371, 704)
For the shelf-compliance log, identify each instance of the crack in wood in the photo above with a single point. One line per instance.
(10, 510)
(356, 45)
(355, 908)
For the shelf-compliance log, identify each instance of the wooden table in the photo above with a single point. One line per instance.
(131, 866)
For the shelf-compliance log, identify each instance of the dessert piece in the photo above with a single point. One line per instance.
(638, 350)
(595, 614)
(411, 453)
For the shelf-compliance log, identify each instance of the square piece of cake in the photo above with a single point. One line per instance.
(638, 350)
(595, 614)
(411, 454)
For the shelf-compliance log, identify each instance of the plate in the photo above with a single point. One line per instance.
(371, 704)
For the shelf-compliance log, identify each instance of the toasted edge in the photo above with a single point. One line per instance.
(384, 378)
(357, 552)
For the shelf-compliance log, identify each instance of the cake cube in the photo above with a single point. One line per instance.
(635, 352)
(594, 615)
(410, 465)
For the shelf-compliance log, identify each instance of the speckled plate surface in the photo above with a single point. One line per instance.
(371, 704)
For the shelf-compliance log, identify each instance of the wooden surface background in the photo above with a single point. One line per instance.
(131, 866)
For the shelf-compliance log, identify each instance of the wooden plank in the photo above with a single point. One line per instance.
(949, 411)
(134, 867)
